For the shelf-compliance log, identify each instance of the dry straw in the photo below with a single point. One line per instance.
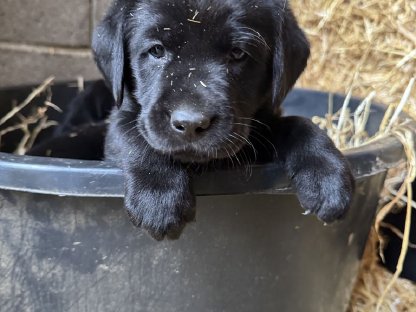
(372, 46)
(31, 125)
(348, 131)
(372, 282)
(377, 37)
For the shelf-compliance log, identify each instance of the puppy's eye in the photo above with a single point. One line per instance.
(157, 51)
(238, 54)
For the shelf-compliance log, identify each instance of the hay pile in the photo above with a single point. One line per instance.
(372, 282)
(372, 40)
(364, 48)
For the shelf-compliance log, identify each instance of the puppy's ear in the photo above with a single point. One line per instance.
(108, 50)
(290, 57)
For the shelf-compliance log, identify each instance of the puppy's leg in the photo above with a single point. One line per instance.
(158, 194)
(319, 172)
(158, 197)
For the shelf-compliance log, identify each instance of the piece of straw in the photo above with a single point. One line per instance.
(36, 92)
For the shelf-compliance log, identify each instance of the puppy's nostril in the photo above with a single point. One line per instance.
(179, 127)
(189, 123)
(204, 124)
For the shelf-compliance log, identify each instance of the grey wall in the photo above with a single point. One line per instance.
(39, 38)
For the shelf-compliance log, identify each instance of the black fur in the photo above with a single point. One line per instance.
(199, 81)
(81, 132)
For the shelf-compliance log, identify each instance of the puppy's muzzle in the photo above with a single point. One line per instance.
(190, 125)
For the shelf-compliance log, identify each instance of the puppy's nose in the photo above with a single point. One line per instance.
(189, 124)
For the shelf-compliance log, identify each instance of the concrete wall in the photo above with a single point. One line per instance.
(39, 38)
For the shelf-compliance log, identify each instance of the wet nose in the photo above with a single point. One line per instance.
(190, 124)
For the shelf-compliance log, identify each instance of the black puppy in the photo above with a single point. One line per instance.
(81, 131)
(199, 81)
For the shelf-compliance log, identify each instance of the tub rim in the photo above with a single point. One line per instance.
(82, 178)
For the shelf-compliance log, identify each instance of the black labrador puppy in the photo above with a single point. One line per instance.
(200, 82)
(82, 128)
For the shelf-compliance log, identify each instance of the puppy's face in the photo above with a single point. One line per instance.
(198, 70)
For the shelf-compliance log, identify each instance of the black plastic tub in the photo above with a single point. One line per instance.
(67, 245)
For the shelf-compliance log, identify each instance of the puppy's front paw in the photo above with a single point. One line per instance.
(325, 191)
(161, 214)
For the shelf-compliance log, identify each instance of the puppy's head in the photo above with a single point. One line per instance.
(199, 70)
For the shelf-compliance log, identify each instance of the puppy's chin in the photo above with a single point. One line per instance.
(197, 155)
(197, 152)
(205, 156)
(219, 146)
(191, 157)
